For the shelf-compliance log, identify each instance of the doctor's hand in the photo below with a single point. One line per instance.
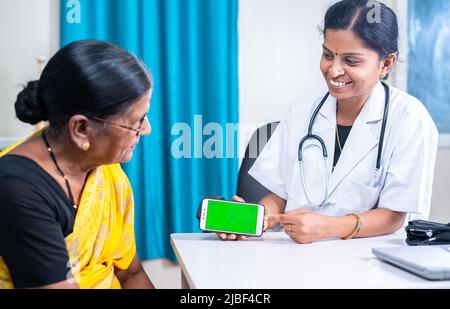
(268, 224)
(303, 226)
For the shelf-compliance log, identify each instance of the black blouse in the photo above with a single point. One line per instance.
(35, 218)
(344, 131)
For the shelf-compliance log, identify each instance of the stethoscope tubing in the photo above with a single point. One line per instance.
(311, 136)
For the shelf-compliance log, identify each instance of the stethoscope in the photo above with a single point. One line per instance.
(311, 136)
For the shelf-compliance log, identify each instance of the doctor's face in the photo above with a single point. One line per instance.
(350, 69)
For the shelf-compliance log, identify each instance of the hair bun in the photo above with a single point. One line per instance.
(29, 107)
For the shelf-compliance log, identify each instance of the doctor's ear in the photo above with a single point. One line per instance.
(388, 65)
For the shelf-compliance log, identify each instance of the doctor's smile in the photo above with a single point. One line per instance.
(338, 84)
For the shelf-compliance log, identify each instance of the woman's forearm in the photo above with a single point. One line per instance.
(134, 277)
(375, 222)
(139, 280)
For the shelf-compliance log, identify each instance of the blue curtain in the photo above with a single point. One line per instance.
(191, 48)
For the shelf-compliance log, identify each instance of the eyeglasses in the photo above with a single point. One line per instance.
(138, 131)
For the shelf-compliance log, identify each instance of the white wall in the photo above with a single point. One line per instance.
(440, 209)
(279, 53)
(28, 29)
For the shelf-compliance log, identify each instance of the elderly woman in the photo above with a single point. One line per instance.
(67, 213)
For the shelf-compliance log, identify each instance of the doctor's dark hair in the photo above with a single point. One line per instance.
(372, 21)
(91, 78)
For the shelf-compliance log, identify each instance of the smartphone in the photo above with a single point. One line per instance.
(232, 217)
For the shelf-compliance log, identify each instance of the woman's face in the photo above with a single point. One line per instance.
(350, 69)
(117, 144)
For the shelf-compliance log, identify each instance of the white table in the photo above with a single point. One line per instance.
(275, 261)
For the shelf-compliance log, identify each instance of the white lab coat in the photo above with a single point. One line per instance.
(408, 157)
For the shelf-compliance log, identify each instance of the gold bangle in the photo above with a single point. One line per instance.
(357, 227)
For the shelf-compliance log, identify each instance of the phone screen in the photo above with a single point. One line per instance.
(232, 217)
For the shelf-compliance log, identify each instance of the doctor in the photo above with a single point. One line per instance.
(379, 146)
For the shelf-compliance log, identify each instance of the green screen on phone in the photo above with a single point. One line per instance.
(231, 217)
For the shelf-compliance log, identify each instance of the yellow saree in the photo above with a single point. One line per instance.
(103, 232)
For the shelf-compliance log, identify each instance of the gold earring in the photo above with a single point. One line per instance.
(86, 146)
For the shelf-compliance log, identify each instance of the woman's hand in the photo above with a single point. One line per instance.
(268, 224)
(303, 226)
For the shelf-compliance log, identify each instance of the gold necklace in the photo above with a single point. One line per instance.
(52, 155)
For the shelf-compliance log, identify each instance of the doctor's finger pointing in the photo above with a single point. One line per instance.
(282, 218)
